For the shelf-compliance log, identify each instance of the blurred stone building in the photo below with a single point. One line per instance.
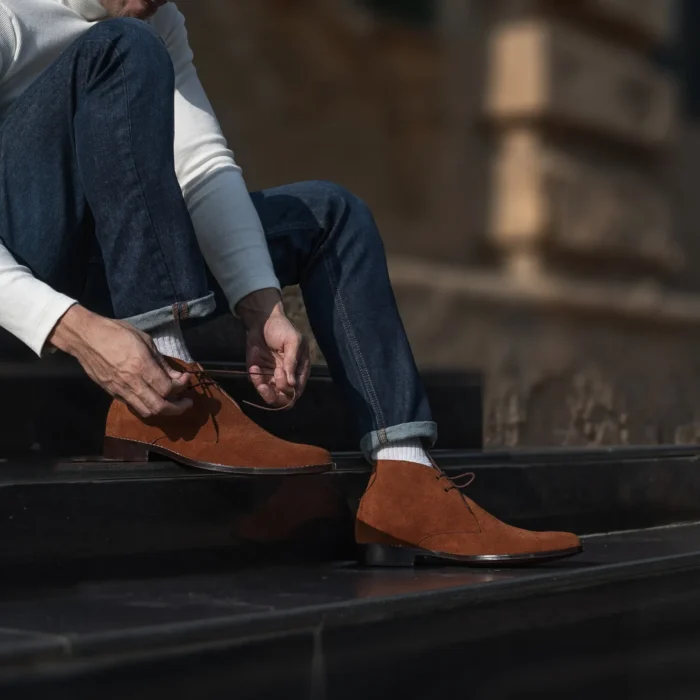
(533, 167)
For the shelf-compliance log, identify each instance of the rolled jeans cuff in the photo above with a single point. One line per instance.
(180, 311)
(425, 430)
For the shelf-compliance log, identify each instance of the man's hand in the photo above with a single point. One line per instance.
(277, 353)
(123, 361)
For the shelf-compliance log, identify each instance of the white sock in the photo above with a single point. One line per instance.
(169, 341)
(403, 451)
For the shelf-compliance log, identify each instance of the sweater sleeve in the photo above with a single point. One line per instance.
(226, 223)
(8, 40)
(29, 309)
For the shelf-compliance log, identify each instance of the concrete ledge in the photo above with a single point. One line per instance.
(646, 301)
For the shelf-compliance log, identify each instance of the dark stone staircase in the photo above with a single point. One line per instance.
(153, 580)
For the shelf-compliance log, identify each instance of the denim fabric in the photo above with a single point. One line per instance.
(86, 161)
(325, 239)
(87, 173)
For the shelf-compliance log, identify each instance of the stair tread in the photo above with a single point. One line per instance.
(69, 511)
(129, 616)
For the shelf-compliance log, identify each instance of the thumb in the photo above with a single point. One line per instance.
(291, 360)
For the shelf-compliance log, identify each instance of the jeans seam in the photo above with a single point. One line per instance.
(136, 172)
(273, 231)
(357, 353)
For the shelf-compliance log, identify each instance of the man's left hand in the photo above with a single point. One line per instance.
(277, 354)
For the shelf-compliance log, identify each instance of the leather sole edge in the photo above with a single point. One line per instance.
(382, 555)
(121, 450)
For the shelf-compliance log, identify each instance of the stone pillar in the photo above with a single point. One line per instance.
(583, 118)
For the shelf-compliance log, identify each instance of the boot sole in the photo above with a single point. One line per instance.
(383, 555)
(122, 450)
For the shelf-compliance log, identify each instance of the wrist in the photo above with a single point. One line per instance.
(67, 335)
(257, 308)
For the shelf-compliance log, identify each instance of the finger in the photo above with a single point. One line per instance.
(303, 366)
(180, 384)
(152, 399)
(304, 374)
(293, 353)
(281, 383)
(157, 378)
(135, 403)
(268, 394)
(176, 407)
(256, 374)
(264, 383)
(259, 377)
(286, 401)
(150, 405)
(257, 355)
(179, 381)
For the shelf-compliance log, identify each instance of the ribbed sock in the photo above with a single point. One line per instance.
(403, 451)
(169, 341)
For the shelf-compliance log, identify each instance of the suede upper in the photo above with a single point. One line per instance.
(214, 431)
(410, 504)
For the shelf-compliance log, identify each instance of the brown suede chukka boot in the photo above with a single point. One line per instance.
(214, 434)
(410, 510)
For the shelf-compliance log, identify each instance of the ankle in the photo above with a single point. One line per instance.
(410, 450)
(170, 342)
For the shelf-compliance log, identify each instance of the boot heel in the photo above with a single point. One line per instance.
(386, 555)
(124, 451)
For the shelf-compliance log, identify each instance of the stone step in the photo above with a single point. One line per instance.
(57, 411)
(621, 620)
(98, 513)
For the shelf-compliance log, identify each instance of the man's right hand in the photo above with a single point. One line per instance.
(123, 361)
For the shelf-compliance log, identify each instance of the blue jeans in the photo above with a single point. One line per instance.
(86, 163)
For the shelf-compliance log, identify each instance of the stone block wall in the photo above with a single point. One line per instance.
(533, 179)
(584, 120)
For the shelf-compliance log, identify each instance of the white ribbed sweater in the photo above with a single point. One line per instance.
(32, 34)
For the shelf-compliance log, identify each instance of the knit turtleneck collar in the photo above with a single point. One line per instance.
(92, 10)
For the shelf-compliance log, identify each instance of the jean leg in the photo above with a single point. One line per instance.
(87, 152)
(325, 239)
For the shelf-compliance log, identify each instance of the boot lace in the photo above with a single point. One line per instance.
(456, 483)
(205, 380)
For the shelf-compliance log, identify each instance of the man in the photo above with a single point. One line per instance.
(108, 142)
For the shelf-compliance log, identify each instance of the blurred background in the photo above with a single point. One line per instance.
(535, 170)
